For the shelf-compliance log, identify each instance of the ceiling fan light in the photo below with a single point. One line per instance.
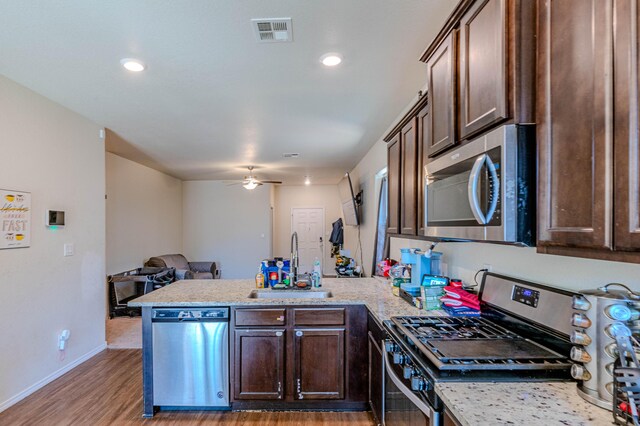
(132, 64)
(250, 185)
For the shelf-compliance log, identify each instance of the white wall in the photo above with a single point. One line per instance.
(228, 225)
(144, 214)
(287, 197)
(56, 155)
(571, 273)
(365, 173)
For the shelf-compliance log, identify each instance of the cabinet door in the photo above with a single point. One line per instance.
(483, 65)
(259, 364)
(574, 116)
(393, 181)
(375, 378)
(422, 161)
(627, 151)
(408, 184)
(441, 69)
(319, 363)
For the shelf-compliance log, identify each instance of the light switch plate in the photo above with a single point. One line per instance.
(68, 250)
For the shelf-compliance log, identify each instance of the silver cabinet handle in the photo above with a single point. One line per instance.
(299, 333)
(472, 189)
(300, 396)
(279, 333)
(279, 389)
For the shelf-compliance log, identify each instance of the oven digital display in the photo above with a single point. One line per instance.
(525, 295)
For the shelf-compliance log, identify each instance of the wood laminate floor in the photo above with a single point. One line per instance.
(107, 390)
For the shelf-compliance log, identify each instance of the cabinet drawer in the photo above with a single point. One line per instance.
(256, 317)
(307, 316)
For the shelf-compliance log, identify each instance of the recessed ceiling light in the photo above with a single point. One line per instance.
(331, 59)
(132, 64)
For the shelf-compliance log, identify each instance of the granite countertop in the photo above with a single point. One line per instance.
(532, 403)
(375, 293)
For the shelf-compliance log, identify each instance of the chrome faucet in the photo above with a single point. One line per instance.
(294, 260)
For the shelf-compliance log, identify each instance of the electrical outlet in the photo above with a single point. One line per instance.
(62, 339)
(487, 266)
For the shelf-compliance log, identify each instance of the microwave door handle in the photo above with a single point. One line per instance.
(425, 206)
(472, 189)
(496, 189)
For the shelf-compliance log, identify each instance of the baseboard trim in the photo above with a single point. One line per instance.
(51, 377)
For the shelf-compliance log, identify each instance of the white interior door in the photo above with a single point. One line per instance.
(309, 224)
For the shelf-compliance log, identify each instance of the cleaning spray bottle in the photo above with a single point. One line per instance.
(260, 278)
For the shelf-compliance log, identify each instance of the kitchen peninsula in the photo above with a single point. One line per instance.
(284, 352)
(337, 326)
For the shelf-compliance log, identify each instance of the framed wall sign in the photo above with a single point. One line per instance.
(15, 219)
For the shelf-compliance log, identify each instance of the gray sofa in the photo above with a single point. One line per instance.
(185, 270)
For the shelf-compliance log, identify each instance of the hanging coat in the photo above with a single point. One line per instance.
(337, 236)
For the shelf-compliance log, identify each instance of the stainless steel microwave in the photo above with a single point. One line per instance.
(485, 189)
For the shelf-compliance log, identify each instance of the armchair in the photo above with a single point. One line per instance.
(185, 270)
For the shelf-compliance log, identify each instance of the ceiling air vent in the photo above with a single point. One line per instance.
(272, 29)
(291, 155)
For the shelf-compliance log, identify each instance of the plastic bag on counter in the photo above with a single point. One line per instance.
(383, 267)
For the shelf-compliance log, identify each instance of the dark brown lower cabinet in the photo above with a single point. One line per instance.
(317, 359)
(259, 363)
(319, 363)
(375, 378)
(448, 419)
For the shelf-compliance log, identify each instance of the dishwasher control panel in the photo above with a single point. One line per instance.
(173, 314)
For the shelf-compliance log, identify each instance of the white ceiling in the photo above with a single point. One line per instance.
(213, 100)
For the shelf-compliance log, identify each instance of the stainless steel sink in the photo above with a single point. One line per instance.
(290, 294)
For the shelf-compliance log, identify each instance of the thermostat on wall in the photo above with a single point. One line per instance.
(55, 218)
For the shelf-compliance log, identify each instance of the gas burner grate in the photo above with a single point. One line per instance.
(475, 343)
(453, 328)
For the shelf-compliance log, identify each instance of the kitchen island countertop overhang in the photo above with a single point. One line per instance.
(374, 293)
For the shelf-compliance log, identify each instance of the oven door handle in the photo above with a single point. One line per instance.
(421, 405)
(472, 189)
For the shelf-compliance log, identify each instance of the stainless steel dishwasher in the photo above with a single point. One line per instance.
(191, 357)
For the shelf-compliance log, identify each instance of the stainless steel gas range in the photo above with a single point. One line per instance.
(522, 335)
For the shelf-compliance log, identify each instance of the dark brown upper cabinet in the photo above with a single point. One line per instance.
(627, 149)
(574, 125)
(393, 184)
(587, 116)
(409, 180)
(480, 73)
(483, 66)
(481, 70)
(441, 83)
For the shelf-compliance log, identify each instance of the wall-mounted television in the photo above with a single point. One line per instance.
(351, 200)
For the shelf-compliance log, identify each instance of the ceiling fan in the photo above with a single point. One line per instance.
(251, 182)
